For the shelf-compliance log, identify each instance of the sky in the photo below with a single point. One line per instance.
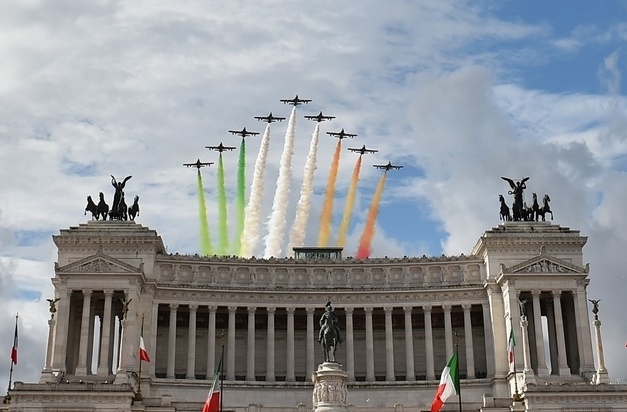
(459, 92)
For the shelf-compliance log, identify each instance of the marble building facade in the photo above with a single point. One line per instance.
(401, 320)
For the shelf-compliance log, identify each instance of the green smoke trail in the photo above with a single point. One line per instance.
(240, 202)
(205, 239)
(223, 231)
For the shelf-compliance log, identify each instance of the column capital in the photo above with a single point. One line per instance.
(427, 308)
(251, 310)
(174, 307)
(232, 309)
(446, 308)
(87, 292)
(388, 310)
(108, 292)
(193, 308)
(310, 311)
(349, 310)
(271, 310)
(535, 294)
(212, 308)
(466, 307)
(368, 311)
(408, 309)
(290, 311)
(556, 294)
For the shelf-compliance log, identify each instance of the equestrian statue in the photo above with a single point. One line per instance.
(329, 336)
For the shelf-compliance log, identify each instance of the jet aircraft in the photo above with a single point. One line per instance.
(220, 148)
(341, 134)
(295, 101)
(269, 118)
(387, 166)
(198, 164)
(320, 117)
(243, 132)
(362, 150)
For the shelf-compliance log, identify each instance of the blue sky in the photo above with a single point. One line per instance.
(460, 92)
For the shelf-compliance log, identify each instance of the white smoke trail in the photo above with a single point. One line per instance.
(252, 213)
(297, 234)
(277, 222)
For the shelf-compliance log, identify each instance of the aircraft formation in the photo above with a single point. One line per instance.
(248, 213)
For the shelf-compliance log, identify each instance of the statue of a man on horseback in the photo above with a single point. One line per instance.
(329, 336)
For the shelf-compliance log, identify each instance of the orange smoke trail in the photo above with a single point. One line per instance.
(327, 208)
(366, 238)
(350, 203)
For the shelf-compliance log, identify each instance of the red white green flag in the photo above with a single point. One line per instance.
(14, 348)
(143, 353)
(212, 404)
(511, 344)
(449, 384)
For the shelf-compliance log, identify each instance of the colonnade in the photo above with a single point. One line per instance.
(389, 343)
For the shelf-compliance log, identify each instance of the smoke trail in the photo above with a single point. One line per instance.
(277, 222)
(297, 234)
(223, 232)
(366, 237)
(327, 208)
(240, 201)
(252, 214)
(350, 203)
(205, 239)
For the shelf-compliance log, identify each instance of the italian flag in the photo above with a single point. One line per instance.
(511, 344)
(143, 353)
(449, 384)
(212, 404)
(14, 348)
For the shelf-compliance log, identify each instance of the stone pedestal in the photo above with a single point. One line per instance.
(601, 376)
(330, 392)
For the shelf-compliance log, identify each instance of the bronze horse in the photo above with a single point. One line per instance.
(505, 216)
(329, 343)
(545, 208)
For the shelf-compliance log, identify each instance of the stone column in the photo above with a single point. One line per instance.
(82, 368)
(350, 344)
(409, 346)
(172, 342)
(250, 346)
(46, 373)
(270, 346)
(448, 331)
(527, 371)
(104, 368)
(389, 346)
(152, 344)
(369, 346)
(586, 357)
(230, 351)
(543, 370)
(559, 330)
(120, 375)
(211, 343)
(601, 375)
(61, 330)
(310, 341)
(191, 343)
(470, 351)
(489, 343)
(290, 345)
(498, 334)
(429, 343)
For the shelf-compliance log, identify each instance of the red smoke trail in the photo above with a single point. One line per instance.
(366, 237)
(350, 203)
(327, 208)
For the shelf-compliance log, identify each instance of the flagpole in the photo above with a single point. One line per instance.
(222, 373)
(459, 395)
(7, 398)
(516, 396)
